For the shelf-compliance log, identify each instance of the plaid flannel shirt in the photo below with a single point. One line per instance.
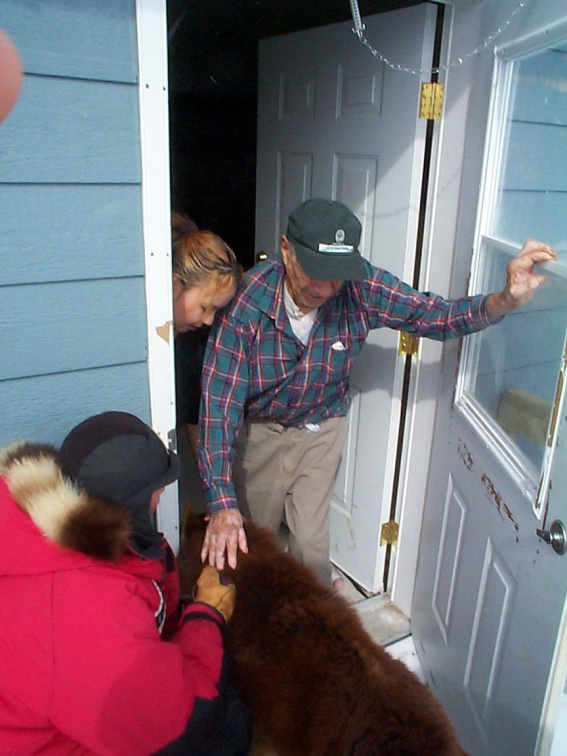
(256, 367)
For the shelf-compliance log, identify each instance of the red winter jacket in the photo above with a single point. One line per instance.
(83, 667)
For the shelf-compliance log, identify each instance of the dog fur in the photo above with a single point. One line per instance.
(315, 681)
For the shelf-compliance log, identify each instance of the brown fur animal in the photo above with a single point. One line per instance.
(314, 679)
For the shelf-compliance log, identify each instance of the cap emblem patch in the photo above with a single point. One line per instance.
(336, 249)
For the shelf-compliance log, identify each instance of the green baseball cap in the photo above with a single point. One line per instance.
(326, 235)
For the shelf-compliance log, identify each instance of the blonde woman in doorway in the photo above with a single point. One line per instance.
(206, 274)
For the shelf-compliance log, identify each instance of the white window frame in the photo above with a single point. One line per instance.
(534, 484)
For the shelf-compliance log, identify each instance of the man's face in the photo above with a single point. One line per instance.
(307, 293)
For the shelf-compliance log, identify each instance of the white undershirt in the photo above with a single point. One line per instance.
(301, 322)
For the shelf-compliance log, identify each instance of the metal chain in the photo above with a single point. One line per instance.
(359, 27)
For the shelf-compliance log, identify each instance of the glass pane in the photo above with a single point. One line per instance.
(514, 366)
(531, 199)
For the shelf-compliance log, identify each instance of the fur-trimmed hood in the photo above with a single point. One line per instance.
(50, 507)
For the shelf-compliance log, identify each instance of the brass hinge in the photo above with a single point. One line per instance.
(408, 344)
(431, 100)
(389, 533)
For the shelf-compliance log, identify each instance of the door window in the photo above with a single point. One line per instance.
(512, 376)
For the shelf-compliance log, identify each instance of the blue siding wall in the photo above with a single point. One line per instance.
(534, 196)
(72, 299)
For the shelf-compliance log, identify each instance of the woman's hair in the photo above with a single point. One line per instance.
(182, 225)
(201, 256)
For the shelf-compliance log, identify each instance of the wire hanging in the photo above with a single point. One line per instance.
(359, 28)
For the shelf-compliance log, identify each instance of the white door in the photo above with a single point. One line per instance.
(490, 594)
(335, 122)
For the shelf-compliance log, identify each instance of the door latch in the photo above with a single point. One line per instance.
(556, 536)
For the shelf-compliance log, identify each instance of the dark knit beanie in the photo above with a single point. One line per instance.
(117, 457)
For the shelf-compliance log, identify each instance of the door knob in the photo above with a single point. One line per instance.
(556, 536)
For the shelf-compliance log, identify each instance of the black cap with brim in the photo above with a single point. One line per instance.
(116, 456)
(326, 236)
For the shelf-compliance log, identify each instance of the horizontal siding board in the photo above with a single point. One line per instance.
(540, 88)
(66, 232)
(533, 215)
(60, 327)
(537, 157)
(491, 388)
(48, 407)
(535, 349)
(78, 38)
(73, 327)
(71, 131)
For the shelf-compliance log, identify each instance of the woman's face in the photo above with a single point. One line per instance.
(196, 306)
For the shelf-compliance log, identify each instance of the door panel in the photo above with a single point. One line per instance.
(490, 594)
(335, 122)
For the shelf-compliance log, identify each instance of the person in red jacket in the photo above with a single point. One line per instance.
(98, 655)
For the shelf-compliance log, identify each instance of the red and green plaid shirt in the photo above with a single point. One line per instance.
(256, 367)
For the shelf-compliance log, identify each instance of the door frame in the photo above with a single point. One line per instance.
(462, 29)
(462, 24)
(440, 257)
(151, 22)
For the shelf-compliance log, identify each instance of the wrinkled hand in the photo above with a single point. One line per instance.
(521, 281)
(225, 531)
(211, 591)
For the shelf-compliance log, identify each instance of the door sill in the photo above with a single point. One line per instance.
(382, 619)
(379, 615)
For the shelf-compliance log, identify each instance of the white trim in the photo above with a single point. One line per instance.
(151, 23)
(556, 692)
(419, 421)
(547, 36)
(425, 378)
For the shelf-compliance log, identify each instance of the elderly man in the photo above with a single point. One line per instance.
(276, 373)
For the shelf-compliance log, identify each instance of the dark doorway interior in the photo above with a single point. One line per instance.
(213, 71)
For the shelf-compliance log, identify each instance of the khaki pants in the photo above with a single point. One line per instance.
(288, 473)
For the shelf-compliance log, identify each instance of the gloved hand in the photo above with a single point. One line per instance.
(211, 591)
